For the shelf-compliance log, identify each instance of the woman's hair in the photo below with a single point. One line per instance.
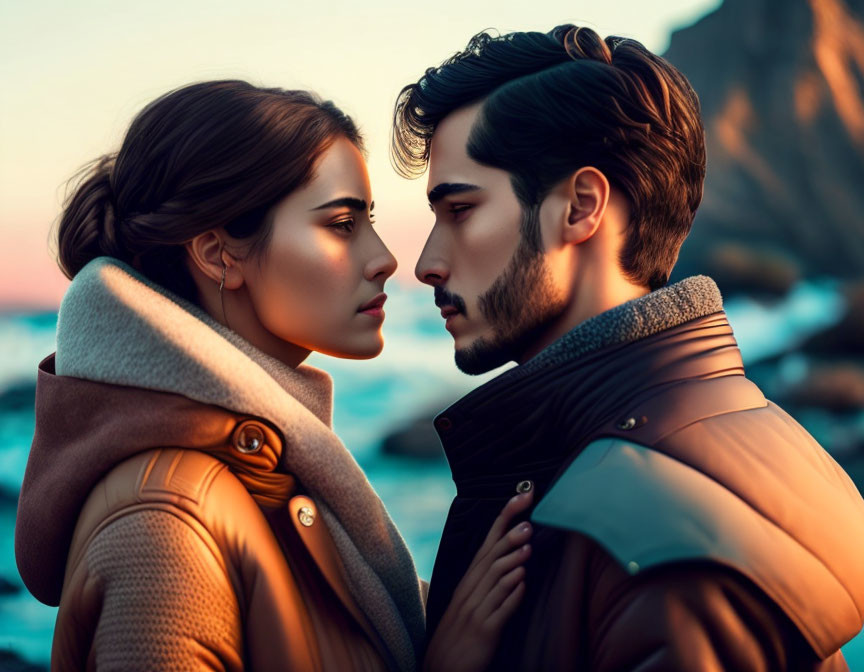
(555, 102)
(210, 154)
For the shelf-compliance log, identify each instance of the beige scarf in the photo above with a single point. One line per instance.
(115, 326)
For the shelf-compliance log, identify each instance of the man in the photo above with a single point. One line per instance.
(683, 522)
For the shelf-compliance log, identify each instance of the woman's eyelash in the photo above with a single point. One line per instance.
(344, 224)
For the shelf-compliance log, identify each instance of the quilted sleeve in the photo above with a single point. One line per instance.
(166, 602)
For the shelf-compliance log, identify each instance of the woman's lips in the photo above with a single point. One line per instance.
(375, 307)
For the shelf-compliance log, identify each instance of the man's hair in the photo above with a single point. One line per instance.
(555, 102)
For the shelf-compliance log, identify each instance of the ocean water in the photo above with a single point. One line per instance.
(414, 375)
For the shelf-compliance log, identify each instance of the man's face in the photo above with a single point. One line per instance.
(494, 289)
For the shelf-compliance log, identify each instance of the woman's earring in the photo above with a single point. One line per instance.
(222, 296)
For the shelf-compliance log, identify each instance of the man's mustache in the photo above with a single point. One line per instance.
(445, 298)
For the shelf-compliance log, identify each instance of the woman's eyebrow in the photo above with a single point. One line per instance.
(345, 201)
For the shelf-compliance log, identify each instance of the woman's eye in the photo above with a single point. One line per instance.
(344, 225)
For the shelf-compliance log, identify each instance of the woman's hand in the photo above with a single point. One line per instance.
(485, 598)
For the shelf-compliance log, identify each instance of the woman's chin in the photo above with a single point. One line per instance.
(369, 349)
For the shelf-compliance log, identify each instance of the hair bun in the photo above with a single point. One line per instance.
(88, 226)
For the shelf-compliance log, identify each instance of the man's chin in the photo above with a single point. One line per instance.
(482, 356)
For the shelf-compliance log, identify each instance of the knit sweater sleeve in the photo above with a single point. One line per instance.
(166, 602)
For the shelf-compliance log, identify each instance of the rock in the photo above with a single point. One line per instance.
(12, 662)
(8, 498)
(846, 338)
(8, 588)
(783, 110)
(837, 387)
(737, 268)
(418, 439)
(18, 396)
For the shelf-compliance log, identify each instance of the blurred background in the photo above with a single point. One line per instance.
(781, 227)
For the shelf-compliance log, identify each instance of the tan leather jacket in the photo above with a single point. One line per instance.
(193, 551)
(210, 584)
(163, 506)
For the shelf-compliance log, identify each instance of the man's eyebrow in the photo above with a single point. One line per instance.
(346, 202)
(447, 188)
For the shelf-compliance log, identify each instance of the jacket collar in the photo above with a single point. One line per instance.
(117, 328)
(499, 434)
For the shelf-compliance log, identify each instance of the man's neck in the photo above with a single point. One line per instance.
(591, 298)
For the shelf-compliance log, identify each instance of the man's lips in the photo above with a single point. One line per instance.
(374, 304)
(448, 311)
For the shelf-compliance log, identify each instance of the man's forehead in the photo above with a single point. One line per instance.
(448, 153)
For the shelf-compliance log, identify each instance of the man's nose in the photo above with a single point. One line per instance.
(432, 268)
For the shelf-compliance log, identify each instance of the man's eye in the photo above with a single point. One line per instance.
(457, 210)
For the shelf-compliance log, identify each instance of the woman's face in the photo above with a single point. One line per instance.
(324, 262)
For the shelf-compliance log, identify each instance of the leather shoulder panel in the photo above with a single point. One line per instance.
(647, 508)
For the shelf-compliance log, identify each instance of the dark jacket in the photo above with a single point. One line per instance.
(683, 523)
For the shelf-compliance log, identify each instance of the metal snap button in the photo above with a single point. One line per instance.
(524, 486)
(306, 516)
(633, 567)
(249, 438)
(629, 423)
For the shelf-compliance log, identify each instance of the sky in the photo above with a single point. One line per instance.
(75, 74)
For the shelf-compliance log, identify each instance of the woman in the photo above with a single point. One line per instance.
(186, 501)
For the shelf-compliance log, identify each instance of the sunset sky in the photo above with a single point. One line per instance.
(75, 74)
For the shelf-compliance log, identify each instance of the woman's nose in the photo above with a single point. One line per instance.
(383, 265)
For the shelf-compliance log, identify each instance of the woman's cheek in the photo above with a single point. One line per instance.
(306, 292)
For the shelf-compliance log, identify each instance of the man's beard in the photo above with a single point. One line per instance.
(518, 306)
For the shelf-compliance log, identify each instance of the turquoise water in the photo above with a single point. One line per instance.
(414, 374)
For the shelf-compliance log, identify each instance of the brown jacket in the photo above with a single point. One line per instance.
(194, 554)
(682, 522)
(188, 505)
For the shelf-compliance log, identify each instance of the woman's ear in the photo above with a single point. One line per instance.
(588, 192)
(209, 255)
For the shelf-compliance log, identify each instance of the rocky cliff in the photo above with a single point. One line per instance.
(781, 84)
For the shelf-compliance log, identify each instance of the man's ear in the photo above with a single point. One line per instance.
(208, 254)
(588, 191)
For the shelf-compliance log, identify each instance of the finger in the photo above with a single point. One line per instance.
(492, 599)
(495, 622)
(513, 539)
(513, 507)
(490, 550)
(484, 572)
(490, 582)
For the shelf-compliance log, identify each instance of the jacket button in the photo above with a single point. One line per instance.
(444, 423)
(248, 437)
(524, 486)
(629, 423)
(306, 516)
(633, 567)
